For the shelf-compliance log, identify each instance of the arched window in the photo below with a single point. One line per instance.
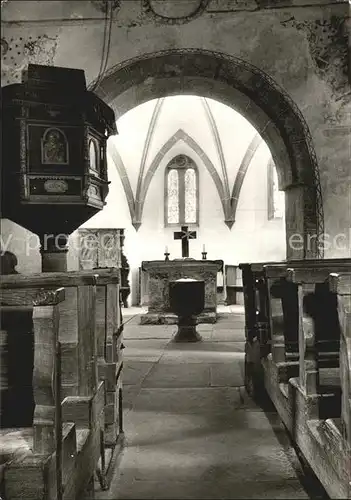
(181, 192)
(276, 198)
(93, 156)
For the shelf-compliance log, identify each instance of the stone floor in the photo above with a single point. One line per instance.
(191, 430)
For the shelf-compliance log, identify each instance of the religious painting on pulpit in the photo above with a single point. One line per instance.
(54, 147)
(181, 192)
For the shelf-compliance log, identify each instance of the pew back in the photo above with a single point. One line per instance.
(340, 284)
(77, 322)
(83, 394)
(46, 435)
(318, 325)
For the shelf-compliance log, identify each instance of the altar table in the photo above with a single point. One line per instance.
(161, 272)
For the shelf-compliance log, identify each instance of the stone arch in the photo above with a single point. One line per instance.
(180, 135)
(255, 95)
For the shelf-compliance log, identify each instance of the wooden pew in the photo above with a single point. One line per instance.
(309, 400)
(233, 285)
(318, 334)
(109, 334)
(340, 284)
(83, 394)
(319, 394)
(259, 311)
(271, 307)
(32, 458)
(255, 299)
(282, 300)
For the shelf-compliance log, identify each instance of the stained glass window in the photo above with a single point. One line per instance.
(190, 196)
(182, 195)
(173, 196)
(276, 198)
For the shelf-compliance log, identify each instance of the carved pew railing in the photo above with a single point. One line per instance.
(340, 284)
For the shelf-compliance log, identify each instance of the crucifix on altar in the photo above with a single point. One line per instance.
(185, 235)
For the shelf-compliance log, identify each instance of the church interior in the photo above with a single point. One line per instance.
(175, 253)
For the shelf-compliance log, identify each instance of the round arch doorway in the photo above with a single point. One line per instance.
(253, 94)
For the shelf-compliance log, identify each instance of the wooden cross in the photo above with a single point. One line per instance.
(185, 235)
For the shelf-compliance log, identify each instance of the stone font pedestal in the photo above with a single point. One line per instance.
(187, 330)
(187, 298)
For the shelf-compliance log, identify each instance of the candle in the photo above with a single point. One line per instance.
(203, 248)
(166, 249)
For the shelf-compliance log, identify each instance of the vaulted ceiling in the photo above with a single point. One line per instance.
(227, 167)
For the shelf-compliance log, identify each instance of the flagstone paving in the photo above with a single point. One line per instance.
(191, 429)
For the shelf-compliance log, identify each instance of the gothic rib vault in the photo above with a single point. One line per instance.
(229, 200)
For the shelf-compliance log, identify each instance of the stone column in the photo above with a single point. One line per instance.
(301, 237)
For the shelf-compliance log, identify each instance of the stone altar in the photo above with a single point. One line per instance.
(161, 272)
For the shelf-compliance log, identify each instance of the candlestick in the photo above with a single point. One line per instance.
(204, 255)
(166, 256)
